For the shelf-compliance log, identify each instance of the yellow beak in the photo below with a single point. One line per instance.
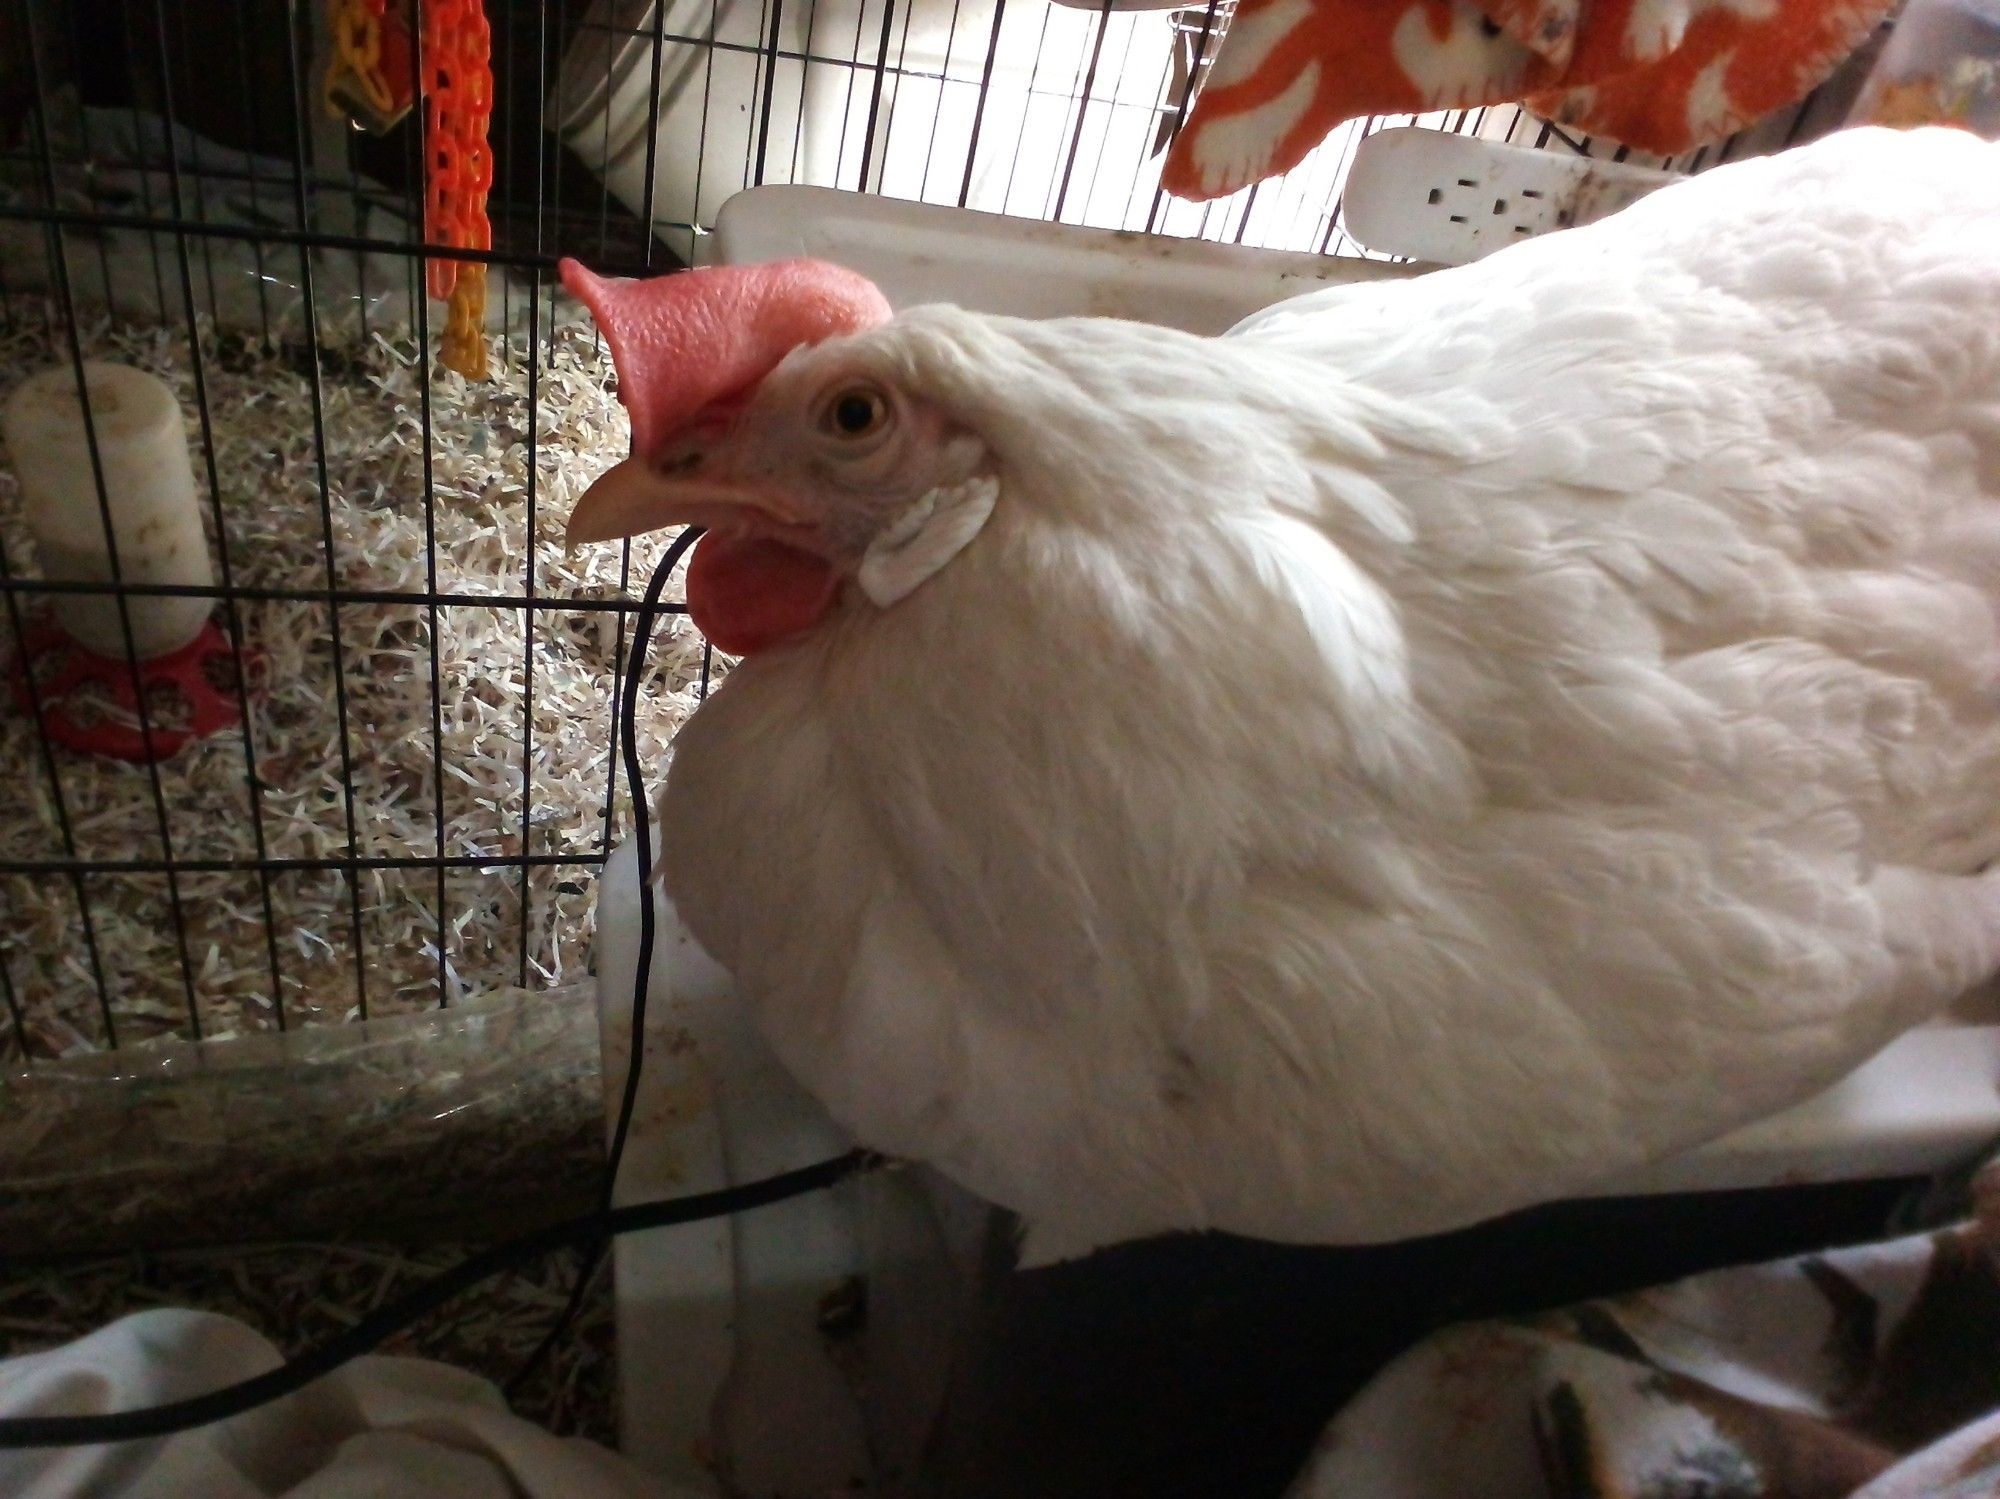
(617, 505)
(631, 498)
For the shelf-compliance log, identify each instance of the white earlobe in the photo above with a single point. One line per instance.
(925, 537)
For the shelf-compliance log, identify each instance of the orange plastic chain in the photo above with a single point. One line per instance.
(357, 55)
(368, 79)
(458, 100)
(458, 108)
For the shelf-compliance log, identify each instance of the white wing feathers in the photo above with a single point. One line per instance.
(1543, 714)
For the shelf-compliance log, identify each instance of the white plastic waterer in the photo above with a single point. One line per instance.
(149, 492)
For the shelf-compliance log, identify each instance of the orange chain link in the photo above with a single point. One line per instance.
(458, 104)
(357, 54)
(369, 79)
(463, 344)
(458, 108)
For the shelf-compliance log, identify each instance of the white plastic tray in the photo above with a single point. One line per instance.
(1930, 1101)
(717, 1357)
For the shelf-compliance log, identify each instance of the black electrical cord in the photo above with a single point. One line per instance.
(642, 821)
(595, 1228)
(379, 1326)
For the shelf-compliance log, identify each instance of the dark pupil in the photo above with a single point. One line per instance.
(854, 414)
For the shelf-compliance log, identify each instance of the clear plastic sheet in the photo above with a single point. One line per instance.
(480, 1116)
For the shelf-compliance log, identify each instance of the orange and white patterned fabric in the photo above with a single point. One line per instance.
(1658, 75)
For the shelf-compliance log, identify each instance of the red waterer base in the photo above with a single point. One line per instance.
(88, 704)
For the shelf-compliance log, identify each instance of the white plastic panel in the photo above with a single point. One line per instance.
(1450, 199)
(920, 252)
(722, 1360)
(719, 1354)
(1930, 1101)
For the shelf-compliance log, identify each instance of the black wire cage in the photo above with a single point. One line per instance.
(394, 778)
(177, 198)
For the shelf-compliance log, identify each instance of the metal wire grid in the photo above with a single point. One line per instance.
(181, 219)
(1080, 61)
(542, 201)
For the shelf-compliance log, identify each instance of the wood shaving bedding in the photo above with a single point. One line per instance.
(260, 399)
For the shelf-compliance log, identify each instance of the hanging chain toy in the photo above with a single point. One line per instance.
(368, 81)
(458, 106)
(368, 78)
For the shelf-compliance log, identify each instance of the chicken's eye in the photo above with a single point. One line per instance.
(857, 411)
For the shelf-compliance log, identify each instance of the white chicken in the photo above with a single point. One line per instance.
(1443, 743)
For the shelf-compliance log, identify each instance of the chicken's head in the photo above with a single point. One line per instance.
(756, 416)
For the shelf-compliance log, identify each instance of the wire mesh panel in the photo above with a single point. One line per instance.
(1045, 111)
(420, 783)
(416, 779)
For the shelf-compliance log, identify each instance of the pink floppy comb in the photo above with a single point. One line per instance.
(690, 341)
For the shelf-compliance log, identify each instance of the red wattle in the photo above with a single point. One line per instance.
(747, 594)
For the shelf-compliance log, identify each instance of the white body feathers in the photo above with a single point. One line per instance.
(1444, 743)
